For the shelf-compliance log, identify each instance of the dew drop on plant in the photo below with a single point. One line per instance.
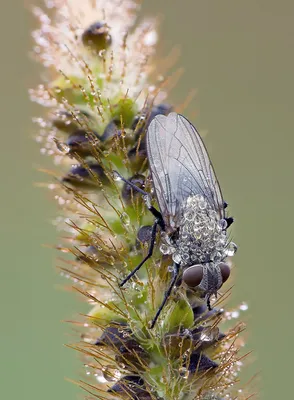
(101, 379)
(150, 38)
(116, 177)
(231, 249)
(184, 372)
(125, 219)
(243, 307)
(209, 334)
(62, 147)
(110, 374)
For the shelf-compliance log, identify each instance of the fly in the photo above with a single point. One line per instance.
(192, 213)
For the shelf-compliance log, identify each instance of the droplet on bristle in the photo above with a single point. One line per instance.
(116, 176)
(243, 307)
(125, 219)
(150, 38)
(184, 372)
(231, 249)
(62, 147)
(209, 334)
(110, 374)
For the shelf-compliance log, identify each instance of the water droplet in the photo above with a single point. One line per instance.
(116, 176)
(231, 249)
(184, 372)
(202, 204)
(186, 257)
(209, 334)
(101, 379)
(62, 147)
(222, 224)
(177, 258)
(164, 249)
(217, 256)
(125, 219)
(147, 200)
(150, 38)
(189, 215)
(243, 307)
(110, 374)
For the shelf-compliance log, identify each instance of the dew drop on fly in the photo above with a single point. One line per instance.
(192, 212)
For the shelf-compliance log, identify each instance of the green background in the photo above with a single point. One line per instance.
(239, 55)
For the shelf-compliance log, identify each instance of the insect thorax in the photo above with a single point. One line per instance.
(201, 237)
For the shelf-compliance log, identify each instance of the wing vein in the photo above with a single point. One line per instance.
(180, 166)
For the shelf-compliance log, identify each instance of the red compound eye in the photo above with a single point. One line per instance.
(192, 276)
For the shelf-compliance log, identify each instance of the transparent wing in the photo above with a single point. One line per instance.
(180, 166)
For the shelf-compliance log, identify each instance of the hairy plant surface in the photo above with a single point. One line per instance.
(101, 89)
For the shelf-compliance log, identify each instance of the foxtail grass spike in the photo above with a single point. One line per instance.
(102, 92)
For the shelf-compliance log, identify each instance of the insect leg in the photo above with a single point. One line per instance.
(149, 254)
(131, 184)
(167, 293)
(147, 200)
(229, 220)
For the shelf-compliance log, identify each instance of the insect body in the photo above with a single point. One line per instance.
(192, 211)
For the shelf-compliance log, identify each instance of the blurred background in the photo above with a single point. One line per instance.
(239, 55)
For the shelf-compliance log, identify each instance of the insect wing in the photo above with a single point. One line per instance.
(180, 166)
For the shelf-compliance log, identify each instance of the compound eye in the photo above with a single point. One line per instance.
(192, 276)
(225, 270)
